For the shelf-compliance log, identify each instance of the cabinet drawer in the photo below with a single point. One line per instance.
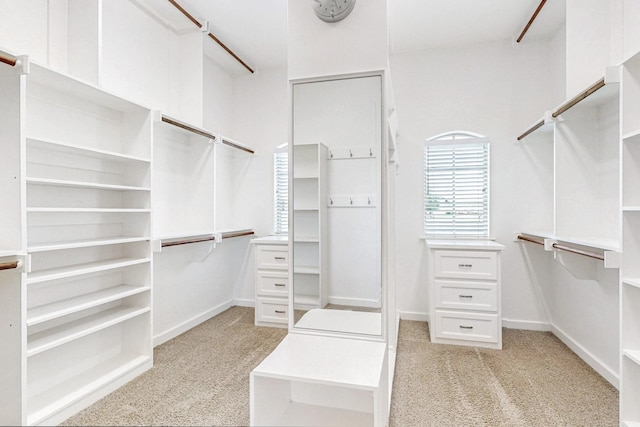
(466, 295)
(272, 311)
(466, 265)
(466, 326)
(274, 283)
(272, 257)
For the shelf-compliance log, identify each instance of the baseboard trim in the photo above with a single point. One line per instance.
(194, 321)
(527, 325)
(414, 315)
(356, 302)
(244, 302)
(589, 358)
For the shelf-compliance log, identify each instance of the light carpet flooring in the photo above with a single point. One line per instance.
(202, 378)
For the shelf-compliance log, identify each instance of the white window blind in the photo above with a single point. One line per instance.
(456, 185)
(281, 190)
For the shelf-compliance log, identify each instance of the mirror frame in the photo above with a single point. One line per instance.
(384, 206)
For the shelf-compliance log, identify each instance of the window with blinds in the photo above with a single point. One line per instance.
(456, 185)
(281, 190)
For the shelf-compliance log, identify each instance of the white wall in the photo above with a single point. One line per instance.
(593, 29)
(358, 43)
(260, 120)
(497, 90)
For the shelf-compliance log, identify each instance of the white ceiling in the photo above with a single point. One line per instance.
(256, 29)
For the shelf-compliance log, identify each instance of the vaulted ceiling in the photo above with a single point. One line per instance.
(256, 29)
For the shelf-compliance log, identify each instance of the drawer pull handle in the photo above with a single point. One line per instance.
(279, 257)
(280, 311)
(280, 284)
(465, 296)
(465, 265)
(466, 327)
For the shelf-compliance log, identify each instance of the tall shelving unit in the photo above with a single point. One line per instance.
(630, 281)
(85, 313)
(310, 225)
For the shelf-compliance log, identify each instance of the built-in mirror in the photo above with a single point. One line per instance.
(335, 204)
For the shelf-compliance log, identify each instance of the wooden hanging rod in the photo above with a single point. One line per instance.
(579, 251)
(236, 57)
(530, 239)
(9, 265)
(6, 59)
(214, 38)
(189, 241)
(185, 13)
(563, 247)
(237, 233)
(187, 127)
(533, 17)
(531, 129)
(225, 235)
(234, 144)
(582, 95)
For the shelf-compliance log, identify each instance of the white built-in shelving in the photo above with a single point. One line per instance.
(85, 216)
(630, 281)
(309, 173)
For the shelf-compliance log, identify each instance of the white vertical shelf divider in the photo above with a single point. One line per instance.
(630, 273)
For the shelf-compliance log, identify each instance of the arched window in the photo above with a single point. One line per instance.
(456, 185)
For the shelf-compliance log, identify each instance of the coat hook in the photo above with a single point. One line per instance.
(370, 153)
(369, 200)
(350, 201)
(350, 153)
(331, 153)
(330, 200)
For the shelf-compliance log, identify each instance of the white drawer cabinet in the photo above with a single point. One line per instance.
(271, 281)
(464, 287)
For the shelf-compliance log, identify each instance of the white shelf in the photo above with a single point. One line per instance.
(306, 210)
(328, 360)
(632, 136)
(185, 235)
(58, 309)
(44, 247)
(67, 332)
(633, 355)
(631, 208)
(604, 244)
(635, 282)
(80, 269)
(304, 239)
(67, 148)
(299, 414)
(306, 270)
(88, 210)
(11, 253)
(60, 396)
(306, 300)
(90, 185)
(307, 176)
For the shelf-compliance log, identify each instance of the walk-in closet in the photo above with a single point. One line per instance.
(320, 212)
